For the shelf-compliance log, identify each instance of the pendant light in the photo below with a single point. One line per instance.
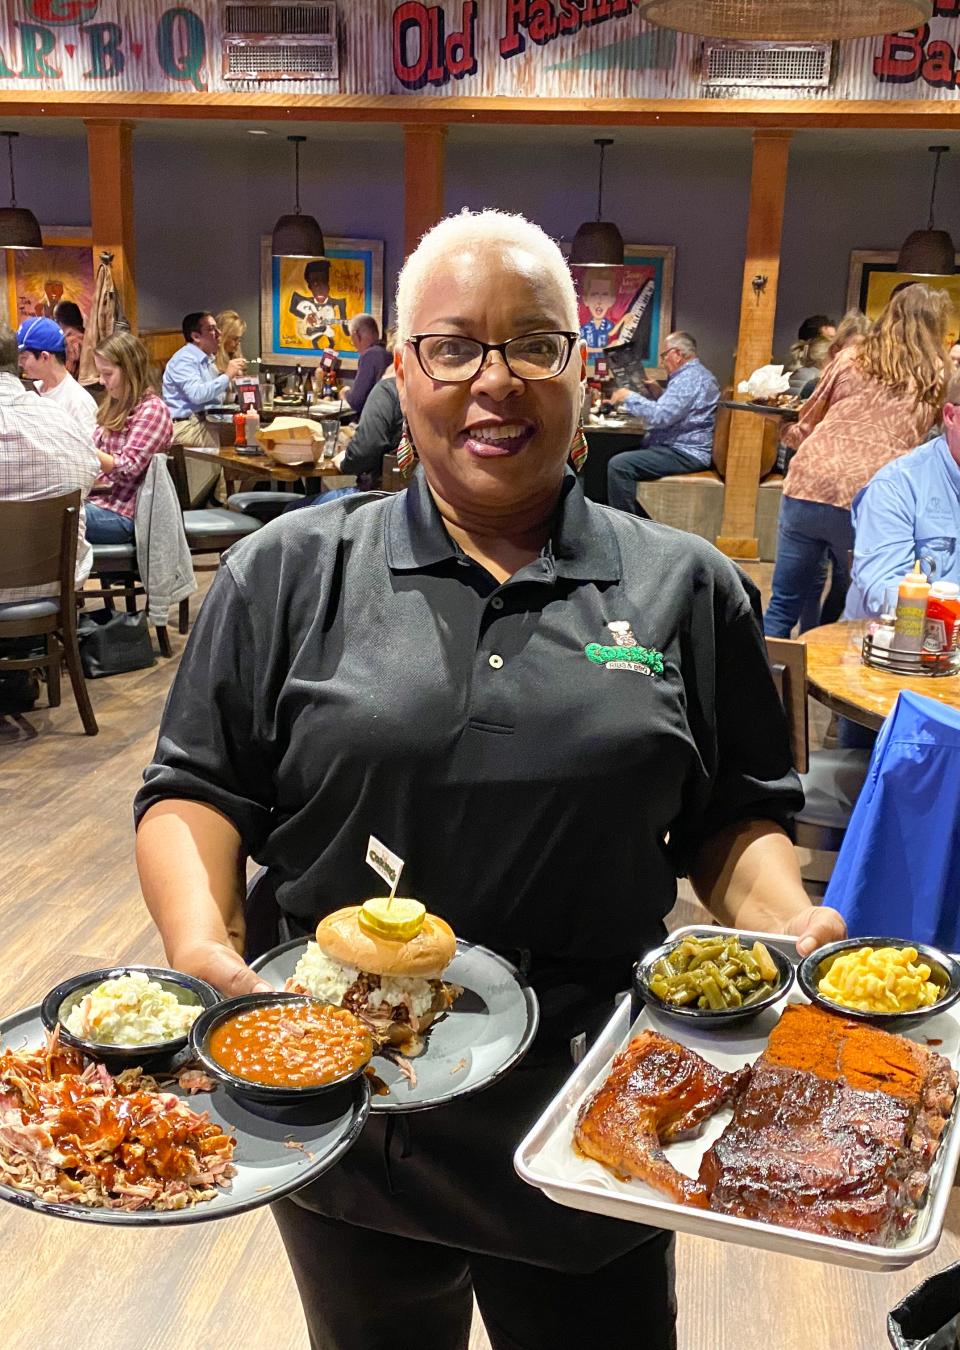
(598, 243)
(788, 20)
(297, 236)
(18, 227)
(929, 252)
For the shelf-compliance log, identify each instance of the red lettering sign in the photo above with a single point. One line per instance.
(901, 56)
(514, 16)
(61, 11)
(423, 53)
(938, 68)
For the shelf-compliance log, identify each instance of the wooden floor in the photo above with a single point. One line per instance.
(70, 902)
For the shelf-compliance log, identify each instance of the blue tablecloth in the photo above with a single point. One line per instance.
(898, 871)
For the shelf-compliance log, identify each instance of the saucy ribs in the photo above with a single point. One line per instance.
(834, 1129)
(656, 1092)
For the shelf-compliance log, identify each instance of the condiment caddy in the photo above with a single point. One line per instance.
(919, 630)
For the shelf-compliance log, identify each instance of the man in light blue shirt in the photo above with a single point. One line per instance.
(910, 509)
(680, 425)
(192, 383)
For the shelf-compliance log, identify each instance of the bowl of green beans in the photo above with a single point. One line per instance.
(712, 977)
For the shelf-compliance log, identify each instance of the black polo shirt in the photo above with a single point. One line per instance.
(545, 776)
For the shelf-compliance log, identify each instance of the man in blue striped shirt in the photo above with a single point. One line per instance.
(679, 424)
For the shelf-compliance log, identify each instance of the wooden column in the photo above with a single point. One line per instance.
(423, 181)
(758, 311)
(110, 157)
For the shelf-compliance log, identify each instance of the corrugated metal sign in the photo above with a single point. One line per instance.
(573, 49)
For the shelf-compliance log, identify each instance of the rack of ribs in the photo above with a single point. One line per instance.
(836, 1132)
(656, 1092)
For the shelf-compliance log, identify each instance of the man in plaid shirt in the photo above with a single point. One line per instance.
(42, 454)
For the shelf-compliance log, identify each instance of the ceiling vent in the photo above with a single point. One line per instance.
(767, 65)
(274, 40)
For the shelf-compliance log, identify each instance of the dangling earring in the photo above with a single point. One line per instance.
(579, 450)
(406, 452)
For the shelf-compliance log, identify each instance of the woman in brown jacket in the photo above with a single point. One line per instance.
(876, 400)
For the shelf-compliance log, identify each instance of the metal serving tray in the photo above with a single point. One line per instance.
(546, 1157)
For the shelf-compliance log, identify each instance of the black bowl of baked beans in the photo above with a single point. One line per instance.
(281, 1048)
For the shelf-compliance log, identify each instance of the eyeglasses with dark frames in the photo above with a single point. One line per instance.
(450, 358)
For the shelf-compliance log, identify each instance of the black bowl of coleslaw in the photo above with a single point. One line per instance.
(113, 1028)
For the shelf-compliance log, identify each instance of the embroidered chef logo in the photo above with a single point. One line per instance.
(625, 653)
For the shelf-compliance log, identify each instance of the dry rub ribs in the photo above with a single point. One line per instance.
(656, 1092)
(836, 1131)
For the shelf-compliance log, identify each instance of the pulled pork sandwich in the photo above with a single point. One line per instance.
(393, 982)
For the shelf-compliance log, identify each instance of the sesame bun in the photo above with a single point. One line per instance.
(425, 956)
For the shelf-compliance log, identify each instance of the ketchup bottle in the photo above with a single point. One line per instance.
(942, 627)
(239, 429)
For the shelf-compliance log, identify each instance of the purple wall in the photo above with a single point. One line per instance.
(669, 190)
(202, 206)
(204, 197)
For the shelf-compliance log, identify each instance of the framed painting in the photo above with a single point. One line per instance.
(39, 278)
(629, 304)
(306, 303)
(873, 275)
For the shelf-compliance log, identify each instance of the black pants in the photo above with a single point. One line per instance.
(643, 465)
(365, 1290)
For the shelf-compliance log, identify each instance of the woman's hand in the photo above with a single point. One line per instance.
(816, 927)
(749, 877)
(222, 967)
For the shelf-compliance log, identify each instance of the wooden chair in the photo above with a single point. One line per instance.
(115, 567)
(831, 779)
(208, 530)
(392, 479)
(39, 549)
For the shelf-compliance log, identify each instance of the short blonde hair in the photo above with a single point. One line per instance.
(496, 230)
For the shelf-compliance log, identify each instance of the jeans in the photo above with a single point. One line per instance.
(319, 498)
(809, 533)
(107, 527)
(643, 465)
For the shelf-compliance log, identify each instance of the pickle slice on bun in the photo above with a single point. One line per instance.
(399, 919)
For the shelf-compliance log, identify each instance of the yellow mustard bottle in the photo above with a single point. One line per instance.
(911, 611)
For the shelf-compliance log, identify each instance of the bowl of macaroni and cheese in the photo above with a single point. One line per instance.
(888, 981)
(128, 1014)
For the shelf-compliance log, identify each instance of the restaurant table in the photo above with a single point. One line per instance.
(837, 677)
(318, 412)
(604, 440)
(764, 409)
(237, 466)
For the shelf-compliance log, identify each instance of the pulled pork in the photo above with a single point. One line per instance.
(71, 1132)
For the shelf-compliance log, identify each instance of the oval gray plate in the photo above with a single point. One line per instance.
(267, 1166)
(487, 1031)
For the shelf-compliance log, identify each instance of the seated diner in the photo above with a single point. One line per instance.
(132, 425)
(679, 425)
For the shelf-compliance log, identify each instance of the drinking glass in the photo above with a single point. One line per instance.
(890, 596)
(331, 430)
